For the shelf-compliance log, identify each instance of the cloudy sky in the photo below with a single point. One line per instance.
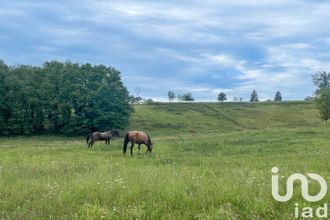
(202, 47)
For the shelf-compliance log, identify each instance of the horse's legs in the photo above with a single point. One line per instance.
(132, 145)
(147, 149)
(92, 142)
(139, 146)
(109, 140)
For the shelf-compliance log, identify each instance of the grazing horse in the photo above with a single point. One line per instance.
(137, 137)
(101, 136)
(193, 131)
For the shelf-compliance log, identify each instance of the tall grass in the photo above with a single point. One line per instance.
(203, 177)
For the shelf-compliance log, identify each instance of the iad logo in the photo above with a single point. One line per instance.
(304, 186)
(306, 212)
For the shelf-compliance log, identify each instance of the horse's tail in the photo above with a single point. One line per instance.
(126, 140)
(88, 137)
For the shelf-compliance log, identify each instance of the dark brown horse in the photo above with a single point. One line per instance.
(137, 137)
(101, 136)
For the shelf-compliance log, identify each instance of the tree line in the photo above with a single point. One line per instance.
(221, 96)
(61, 98)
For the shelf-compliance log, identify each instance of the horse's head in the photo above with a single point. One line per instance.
(150, 146)
(115, 133)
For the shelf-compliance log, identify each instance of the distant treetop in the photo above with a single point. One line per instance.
(171, 95)
(321, 80)
(278, 97)
(254, 96)
(222, 97)
(186, 97)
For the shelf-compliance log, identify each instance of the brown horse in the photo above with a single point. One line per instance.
(101, 136)
(137, 137)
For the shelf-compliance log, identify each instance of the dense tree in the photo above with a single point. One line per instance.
(186, 97)
(323, 103)
(278, 97)
(254, 96)
(222, 97)
(61, 98)
(171, 95)
(4, 111)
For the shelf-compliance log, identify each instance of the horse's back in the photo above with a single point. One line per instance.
(101, 135)
(106, 134)
(95, 134)
(137, 136)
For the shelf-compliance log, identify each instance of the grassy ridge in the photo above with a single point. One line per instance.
(175, 118)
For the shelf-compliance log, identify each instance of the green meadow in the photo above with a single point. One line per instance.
(222, 172)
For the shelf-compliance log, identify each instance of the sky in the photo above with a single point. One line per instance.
(203, 47)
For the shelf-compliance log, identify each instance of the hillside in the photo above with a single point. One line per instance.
(173, 118)
(220, 173)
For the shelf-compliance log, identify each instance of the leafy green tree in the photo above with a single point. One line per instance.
(111, 100)
(186, 97)
(278, 97)
(54, 88)
(19, 100)
(323, 103)
(5, 112)
(63, 98)
(321, 80)
(171, 95)
(254, 96)
(222, 97)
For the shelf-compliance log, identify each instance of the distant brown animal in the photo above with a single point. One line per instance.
(137, 137)
(193, 131)
(101, 136)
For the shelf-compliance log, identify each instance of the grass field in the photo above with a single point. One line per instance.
(175, 118)
(223, 172)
